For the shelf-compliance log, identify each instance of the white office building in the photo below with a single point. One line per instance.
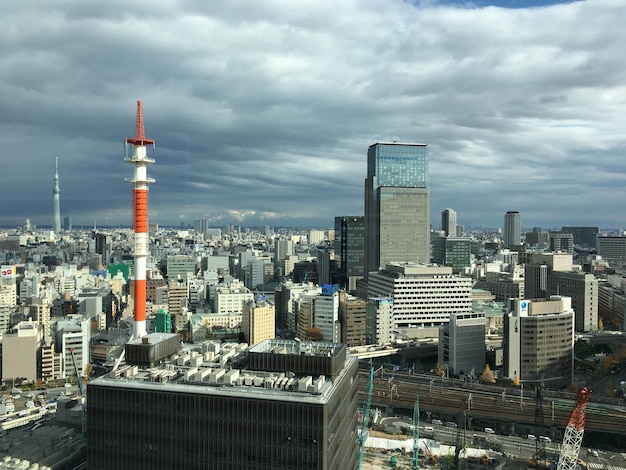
(424, 297)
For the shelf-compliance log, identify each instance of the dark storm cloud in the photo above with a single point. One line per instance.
(263, 111)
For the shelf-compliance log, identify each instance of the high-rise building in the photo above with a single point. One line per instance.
(241, 411)
(424, 297)
(452, 251)
(585, 236)
(326, 313)
(539, 341)
(57, 204)
(258, 320)
(379, 324)
(582, 288)
(397, 205)
(352, 317)
(512, 229)
(448, 223)
(350, 250)
(462, 343)
(283, 248)
(180, 266)
(562, 241)
(325, 266)
(21, 351)
(612, 248)
(67, 223)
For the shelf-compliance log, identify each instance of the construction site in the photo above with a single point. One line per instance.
(404, 442)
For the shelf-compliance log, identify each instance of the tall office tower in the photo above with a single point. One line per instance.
(57, 204)
(67, 223)
(397, 205)
(282, 249)
(512, 229)
(140, 181)
(325, 266)
(200, 225)
(350, 250)
(539, 341)
(448, 223)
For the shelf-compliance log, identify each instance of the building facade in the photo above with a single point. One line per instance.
(350, 250)
(462, 344)
(562, 241)
(21, 351)
(248, 415)
(258, 320)
(424, 297)
(512, 229)
(448, 223)
(379, 325)
(455, 252)
(612, 248)
(397, 205)
(539, 341)
(352, 314)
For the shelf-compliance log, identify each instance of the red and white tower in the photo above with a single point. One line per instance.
(140, 182)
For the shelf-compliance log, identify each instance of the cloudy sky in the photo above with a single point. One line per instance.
(262, 112)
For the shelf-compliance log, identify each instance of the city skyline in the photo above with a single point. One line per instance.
(264, 113)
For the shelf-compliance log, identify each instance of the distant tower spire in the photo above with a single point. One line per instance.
(56, 226)
(140, 181)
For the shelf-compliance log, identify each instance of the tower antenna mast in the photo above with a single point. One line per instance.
(140, 181)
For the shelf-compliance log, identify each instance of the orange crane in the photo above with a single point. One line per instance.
(574, 432)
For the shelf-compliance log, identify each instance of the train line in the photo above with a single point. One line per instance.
(443, 398)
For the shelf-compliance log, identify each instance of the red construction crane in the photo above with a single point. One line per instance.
(574, 433)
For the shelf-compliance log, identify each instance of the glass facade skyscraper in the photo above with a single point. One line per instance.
(350, 250)
(397, 205)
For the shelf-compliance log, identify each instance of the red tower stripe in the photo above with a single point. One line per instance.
(140, 300)
(141, 210)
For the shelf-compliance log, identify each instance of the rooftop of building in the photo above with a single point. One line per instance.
(228, 369)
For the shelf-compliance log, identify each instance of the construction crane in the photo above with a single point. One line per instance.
(574, 432)
(540, 445)
(365, 417)
(416, 433)
(79, 380)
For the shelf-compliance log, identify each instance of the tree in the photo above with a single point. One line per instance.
(314, 334)
(609, 390)
(487, 376)
(439, 370)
